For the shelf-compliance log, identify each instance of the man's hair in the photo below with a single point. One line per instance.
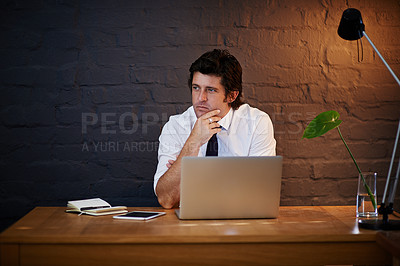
(221, 64)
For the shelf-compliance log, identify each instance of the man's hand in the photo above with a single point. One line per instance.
(205, 126)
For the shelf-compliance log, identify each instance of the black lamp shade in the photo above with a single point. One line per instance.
(351, 26)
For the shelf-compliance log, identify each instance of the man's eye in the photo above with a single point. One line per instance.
(195, 88)
(211, 90)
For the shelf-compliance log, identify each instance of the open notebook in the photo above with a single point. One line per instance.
(94, 207)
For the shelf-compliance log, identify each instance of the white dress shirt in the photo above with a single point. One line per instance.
(246, 131)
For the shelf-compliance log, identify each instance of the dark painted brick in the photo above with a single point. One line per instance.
(54, 57)
(112, 75)
(68, 135)
(14, 57)
(17, 38)
(124, 94)
(66, 75)
(72, 152)
(95, 38)
(168, 95)
(69, 115)
(25, 154)
(62, 39)
(111, 18)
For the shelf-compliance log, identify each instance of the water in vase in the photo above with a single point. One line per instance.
(365, 208)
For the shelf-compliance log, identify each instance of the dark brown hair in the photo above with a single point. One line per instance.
(221, 64)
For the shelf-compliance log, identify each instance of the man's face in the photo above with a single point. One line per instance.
(208, 94)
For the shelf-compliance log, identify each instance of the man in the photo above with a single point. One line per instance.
(218, 122)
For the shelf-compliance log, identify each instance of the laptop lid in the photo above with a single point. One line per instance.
(230, 187)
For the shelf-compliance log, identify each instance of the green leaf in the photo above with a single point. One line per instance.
(321, 124)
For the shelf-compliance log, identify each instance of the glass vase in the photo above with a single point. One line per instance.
(365, 207)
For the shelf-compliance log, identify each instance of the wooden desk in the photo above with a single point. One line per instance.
(390, 241)
(300, 236)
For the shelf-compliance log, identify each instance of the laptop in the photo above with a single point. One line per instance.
(230, 187)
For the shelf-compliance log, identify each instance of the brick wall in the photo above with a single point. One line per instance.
(87, 85)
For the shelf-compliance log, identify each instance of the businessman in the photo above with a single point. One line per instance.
(217, 124)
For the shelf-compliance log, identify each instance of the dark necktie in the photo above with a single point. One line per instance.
(212, 146)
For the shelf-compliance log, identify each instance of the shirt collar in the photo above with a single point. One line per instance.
(225, 121)
(192, 116)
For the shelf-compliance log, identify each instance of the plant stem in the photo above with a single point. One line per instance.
(348, 149)
(359, 171)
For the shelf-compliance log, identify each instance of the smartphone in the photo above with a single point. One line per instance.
(139, 215)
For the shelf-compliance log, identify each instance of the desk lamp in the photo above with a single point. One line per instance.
(351, 28)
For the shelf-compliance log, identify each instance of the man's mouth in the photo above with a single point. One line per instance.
(202, 108)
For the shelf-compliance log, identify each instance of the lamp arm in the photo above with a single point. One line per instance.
(391, 197)
(393, 192)
(391, 166)
(386, 64)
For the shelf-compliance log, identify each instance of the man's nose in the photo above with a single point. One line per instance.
(203, 96)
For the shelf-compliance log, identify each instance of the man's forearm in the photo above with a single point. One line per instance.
(168, 186)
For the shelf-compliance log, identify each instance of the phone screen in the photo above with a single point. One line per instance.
(139, 215)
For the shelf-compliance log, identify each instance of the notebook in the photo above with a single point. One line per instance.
(230, 187)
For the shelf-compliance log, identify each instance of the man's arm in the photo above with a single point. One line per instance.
(263, 142)
(168, 186)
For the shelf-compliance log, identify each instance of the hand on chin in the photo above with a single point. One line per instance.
(201, 111)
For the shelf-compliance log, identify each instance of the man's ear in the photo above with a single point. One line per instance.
(232, 96)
